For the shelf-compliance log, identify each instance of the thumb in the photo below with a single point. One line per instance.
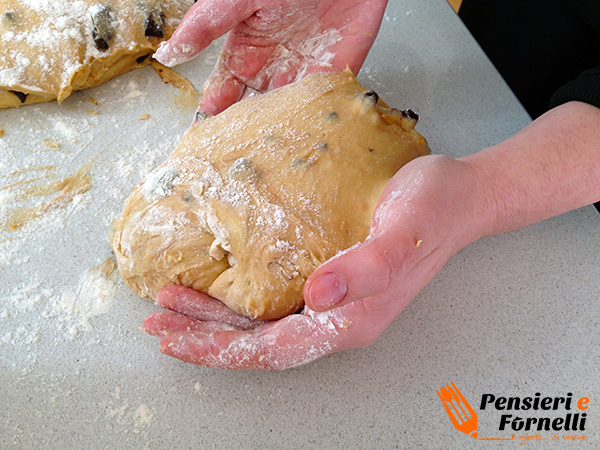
(362, 271)
(203, 23)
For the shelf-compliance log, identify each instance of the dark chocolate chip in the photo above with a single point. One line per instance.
(410, 114)
(101, 44)
(200, 115)
(153, 19)
(154, 24)
(372, 95)
(154, 27)
(22, 96)
(142, 58)
(9, 17)
(103, 29)
(244, 169)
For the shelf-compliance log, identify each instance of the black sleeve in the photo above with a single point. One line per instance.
(585, 88)
(537, 45)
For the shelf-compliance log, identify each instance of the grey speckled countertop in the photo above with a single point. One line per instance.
(511, 315)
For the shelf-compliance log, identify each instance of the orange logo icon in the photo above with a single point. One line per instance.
(461, 414)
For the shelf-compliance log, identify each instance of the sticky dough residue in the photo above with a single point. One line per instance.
(65, 190)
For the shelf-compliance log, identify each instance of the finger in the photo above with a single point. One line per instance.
(200, 306)
(203, 23)
(221, 90)
(362, 271)
(160, 323)
(302, 73)
(357, 36)
(295, 340)
(239, 65)
(398, 258)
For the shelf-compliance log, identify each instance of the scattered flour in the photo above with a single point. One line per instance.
(70, 309)
(129, 418)
(54, 289)
(144, 415)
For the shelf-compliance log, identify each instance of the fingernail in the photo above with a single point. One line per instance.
(328, 291)
(172, 54)
(160, 55)
(169, 56)
(163, 298)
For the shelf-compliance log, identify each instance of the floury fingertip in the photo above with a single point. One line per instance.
(171, 56)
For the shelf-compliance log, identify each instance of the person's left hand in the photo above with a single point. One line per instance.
(272, 42)
(425, 215)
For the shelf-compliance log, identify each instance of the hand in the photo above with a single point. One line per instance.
(425, 215)
(272, 42)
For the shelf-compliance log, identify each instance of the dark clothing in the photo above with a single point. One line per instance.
(585, 88)
(541, 47)
(548, 51)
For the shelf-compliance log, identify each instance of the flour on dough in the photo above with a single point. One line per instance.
(254, 199)
(51, 48)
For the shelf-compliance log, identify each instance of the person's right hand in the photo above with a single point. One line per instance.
(426, 214)
(272, 42)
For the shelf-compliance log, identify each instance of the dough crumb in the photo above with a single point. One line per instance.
(94, 101)
(51, 143)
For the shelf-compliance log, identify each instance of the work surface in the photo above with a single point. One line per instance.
(511, 316)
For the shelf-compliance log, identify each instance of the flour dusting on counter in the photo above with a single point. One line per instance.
(68, 177)
(50, 48)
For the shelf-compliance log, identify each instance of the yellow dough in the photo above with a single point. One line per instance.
(51, 48)
(254, 199)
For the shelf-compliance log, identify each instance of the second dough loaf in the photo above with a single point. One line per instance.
(49, 49)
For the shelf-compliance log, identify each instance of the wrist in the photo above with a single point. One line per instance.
(474, 214)
(548, 168)
(440, 201)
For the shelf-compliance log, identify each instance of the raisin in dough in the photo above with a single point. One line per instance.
(51, 48)
(254, 199)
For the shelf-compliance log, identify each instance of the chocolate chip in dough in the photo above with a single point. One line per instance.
(153, 23)
(103, 28)
(8, 18)
(371, 97)
(142, 58)
(188, 197)
(22, 96)
(332, 116)
(410, 114)
(244, 169)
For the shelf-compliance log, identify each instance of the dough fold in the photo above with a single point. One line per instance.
(254, 199)
(51, 48)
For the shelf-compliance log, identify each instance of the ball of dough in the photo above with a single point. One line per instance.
(254, 199)
(49, 49)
